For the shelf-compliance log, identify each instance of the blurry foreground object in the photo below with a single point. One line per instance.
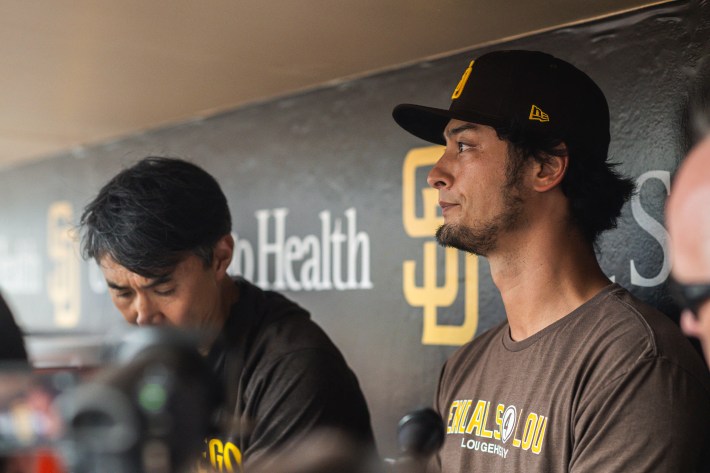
(147, 414)
(420, 435)
(29, 424)
(696, 118)
(688, 220)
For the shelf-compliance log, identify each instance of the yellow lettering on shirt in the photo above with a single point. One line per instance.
(224, 456)
(476, 421)
(539, 435)
(485, 432)
(453, 412)
(529, 431)
(516, 440)
(499, 421)
(526, 429)
(462, 423)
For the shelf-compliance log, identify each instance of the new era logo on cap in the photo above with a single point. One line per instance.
(537, 114)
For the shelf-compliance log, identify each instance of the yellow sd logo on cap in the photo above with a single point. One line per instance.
(462, 83)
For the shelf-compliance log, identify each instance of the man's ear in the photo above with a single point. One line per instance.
(550, 172)
(222, 254)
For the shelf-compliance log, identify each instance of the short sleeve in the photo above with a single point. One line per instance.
(653, 418)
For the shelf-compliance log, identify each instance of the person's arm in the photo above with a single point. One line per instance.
(654, 418)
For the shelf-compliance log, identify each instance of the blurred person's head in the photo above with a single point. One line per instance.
(688, 215)
(688, 221)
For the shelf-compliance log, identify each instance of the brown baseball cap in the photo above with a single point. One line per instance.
(534, 90)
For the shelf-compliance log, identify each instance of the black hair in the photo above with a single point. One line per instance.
(595, 190)
(152, 214)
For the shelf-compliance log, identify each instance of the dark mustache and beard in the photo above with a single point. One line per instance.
(483, 238)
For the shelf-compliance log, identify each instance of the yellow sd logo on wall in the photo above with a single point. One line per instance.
(63, 284)
(430, 296)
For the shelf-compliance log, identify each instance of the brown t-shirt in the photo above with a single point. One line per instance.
(611, 387)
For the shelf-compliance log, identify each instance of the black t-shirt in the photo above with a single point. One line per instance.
(283, 379)
(12, 345)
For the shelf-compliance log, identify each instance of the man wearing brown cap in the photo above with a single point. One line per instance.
(581, 376)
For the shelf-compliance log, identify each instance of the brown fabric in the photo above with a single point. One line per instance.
(612, 387)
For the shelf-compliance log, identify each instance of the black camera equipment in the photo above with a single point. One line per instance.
(148, 413)
(420, 434)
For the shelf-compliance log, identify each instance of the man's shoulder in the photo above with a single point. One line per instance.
(270, 303)
(623, 332)
(261, 309)
(275, 325)
(664, 339)
(609, 335)
(628, 318)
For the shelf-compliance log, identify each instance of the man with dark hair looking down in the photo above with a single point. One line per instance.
(582, 376)
(160, 231)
